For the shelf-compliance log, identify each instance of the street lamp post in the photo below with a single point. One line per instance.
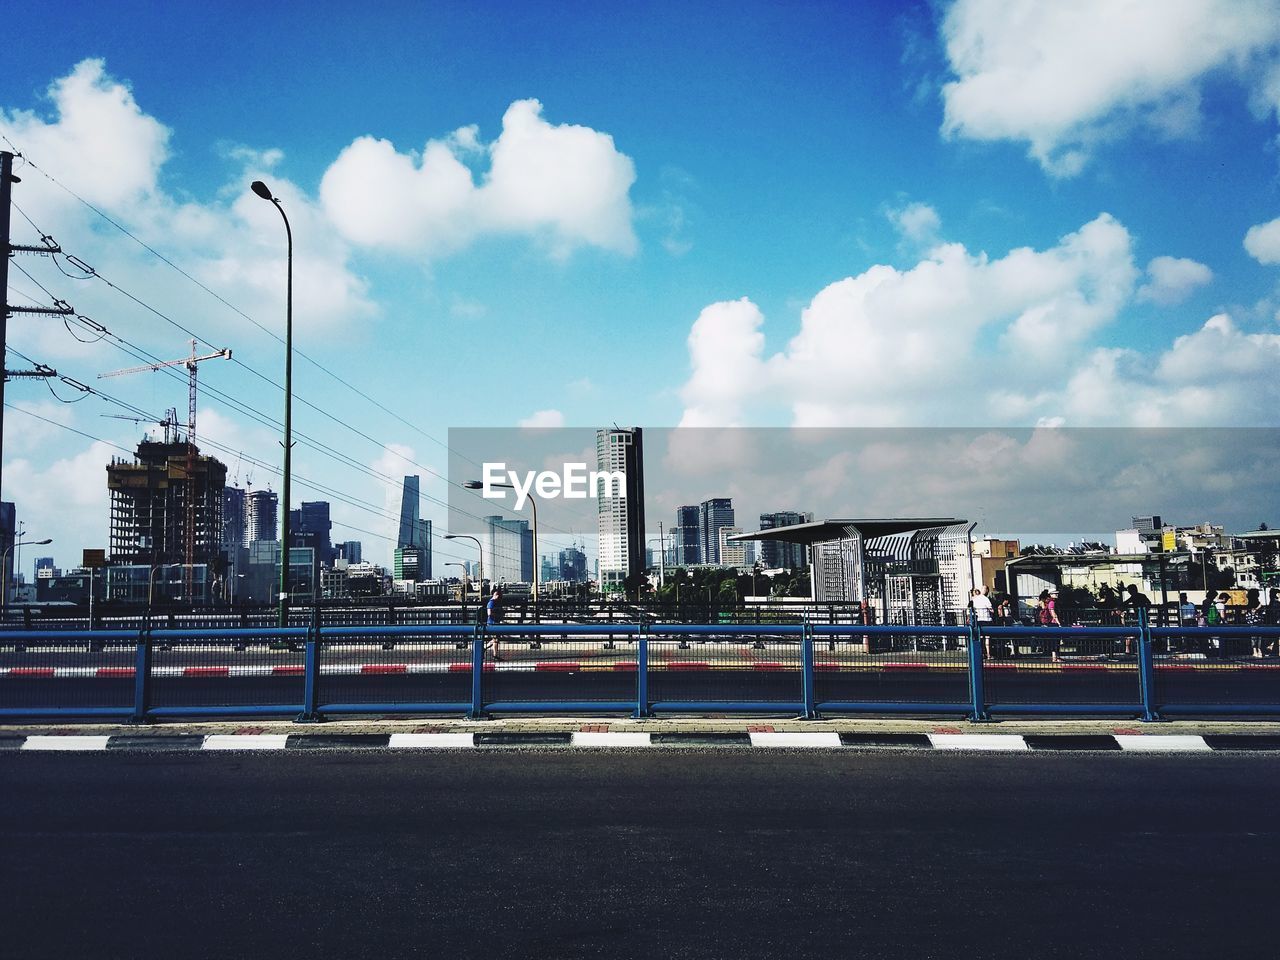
(262, 190)
(466, 585)
(4, 564)
(533, 503)
(480, 548)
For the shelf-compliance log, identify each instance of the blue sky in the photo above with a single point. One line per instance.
(977, 213)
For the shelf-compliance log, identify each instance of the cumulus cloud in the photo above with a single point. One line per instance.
(1065, 77)
(565, 184)
(1171, 280)
(963, 338)
(1262, 242)
(98, 141)
(725, 348)
(59, 498)
(544, 419)
(918, 223)
(1217, 375)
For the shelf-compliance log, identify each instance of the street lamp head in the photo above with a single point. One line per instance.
(261, 189)
(451, 536)
(41, 543)
(473, 485)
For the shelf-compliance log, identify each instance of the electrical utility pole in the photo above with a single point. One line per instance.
(7, 180)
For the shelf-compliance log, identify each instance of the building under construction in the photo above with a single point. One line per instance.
(150, 522)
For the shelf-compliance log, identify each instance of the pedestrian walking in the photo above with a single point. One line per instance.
(1208, 618)
(1108, 604)
(866, 617)
(493, 617)
(1135, 601)
(1254, 617)
(1187, 617)
(1047, 615)
(984, 614)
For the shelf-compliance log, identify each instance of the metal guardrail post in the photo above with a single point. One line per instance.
(1146, 669)
(977, 691)
(311, 672)
(806, 670)
(642, 673)
(142, 677)
(477, 673)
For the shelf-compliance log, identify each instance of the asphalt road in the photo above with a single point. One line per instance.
(679, 853)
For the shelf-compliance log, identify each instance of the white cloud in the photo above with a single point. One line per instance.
(543, 418)
(65, 499)
(102, 142)
(1218, 375)
(725, 347)
(1064, 77)
(1262, 242)
(1172, 279)
(567, 185)
(916, 222)
(961, 338)
(99, 142)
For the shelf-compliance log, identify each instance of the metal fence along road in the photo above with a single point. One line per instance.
(641, 669)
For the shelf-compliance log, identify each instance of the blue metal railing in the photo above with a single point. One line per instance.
(1137, 670)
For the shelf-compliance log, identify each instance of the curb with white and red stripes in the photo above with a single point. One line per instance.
(1018, 743)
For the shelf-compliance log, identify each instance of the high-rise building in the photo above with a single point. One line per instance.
(411, 529)
(233, 518)
(261, 522)
(423, 542)
(620, 519)
(777, 554)
(732, 554)
(313, 524)
(408, 564)
(150, 496)
(712, 515)
(8, 524)
(508, 550)
(686, 537)
(573, 565)
(350, 551)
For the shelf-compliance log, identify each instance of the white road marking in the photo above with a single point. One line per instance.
(607, 739)
(235, 741)
(977, 741)
(448, 741)
(785, 739)
(1157, 743)
(65, 743)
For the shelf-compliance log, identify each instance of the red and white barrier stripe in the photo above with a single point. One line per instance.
(614, 666)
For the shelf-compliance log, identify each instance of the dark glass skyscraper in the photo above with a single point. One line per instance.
(777, 554)
(712, 515)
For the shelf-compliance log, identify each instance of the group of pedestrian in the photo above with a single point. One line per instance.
(990, 611)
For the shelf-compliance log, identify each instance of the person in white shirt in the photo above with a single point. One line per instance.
(984, 613)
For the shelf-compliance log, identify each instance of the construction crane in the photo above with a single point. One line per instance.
(169, 422)
(190, 363)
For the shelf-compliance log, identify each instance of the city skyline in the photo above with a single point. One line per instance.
(938, 222)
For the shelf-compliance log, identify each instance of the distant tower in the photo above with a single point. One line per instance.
(149, 498)
(620, 520)
(409, 497)
(777, 554)
(233, 517)
(712, 515)
(686, 537)
(260, 516)
(508, 550)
